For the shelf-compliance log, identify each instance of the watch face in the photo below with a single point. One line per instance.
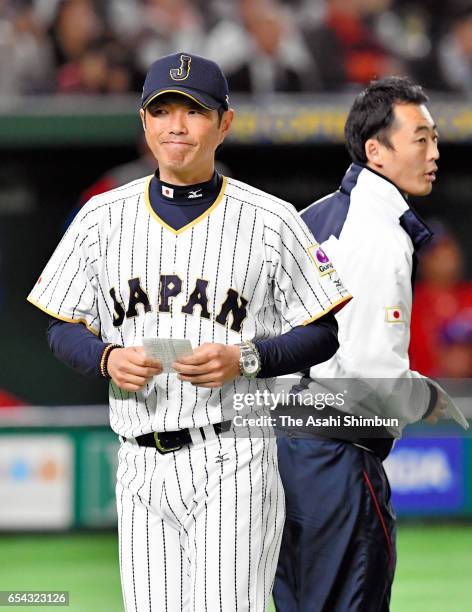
(250, 364)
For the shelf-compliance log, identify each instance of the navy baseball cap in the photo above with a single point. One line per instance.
(190, 75)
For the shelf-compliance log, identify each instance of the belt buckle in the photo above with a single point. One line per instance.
(162, 449)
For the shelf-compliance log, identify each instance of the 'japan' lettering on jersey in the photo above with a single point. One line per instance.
(246, 269)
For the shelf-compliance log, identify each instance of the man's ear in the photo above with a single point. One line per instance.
(226, 121)
(373, 151)
(142, 114)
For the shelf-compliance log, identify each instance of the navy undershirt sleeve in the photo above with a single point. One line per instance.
(76, 346)
(297, 350)
(300, 348)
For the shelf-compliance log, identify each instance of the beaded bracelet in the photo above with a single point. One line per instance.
(104, 359)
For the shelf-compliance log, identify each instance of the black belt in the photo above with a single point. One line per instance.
(170, 441)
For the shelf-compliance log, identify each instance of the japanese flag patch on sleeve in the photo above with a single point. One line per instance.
(394, 314)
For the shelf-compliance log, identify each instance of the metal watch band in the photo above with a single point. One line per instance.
(250, 360)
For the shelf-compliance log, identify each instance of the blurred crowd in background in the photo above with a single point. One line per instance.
(106, 46)
(441, 322)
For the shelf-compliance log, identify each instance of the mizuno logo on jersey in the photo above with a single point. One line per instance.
(221, 458)
(194, 194)
(170, 288)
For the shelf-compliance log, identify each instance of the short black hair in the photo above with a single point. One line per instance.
(371, 114)
(459, 10)
(172, 98)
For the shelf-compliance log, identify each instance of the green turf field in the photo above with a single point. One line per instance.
(433, 571)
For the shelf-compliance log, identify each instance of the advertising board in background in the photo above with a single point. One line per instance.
(36, 482)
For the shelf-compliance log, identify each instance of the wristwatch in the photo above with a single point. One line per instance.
(249, 360)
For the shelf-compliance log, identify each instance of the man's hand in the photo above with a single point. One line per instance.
(210, 365)
(439, 411)
(445, 408)
(130, 368)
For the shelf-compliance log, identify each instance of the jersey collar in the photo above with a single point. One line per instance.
(205, 214)
(187, 194)
(399, 207)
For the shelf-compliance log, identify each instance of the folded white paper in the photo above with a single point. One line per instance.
(167, 350)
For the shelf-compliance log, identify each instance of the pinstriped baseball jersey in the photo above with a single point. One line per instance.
(247, 268)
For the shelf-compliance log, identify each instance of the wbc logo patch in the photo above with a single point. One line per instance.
(394, 314)
(320, 259)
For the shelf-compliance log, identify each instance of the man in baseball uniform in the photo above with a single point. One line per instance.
(338, 548)
(187, 254)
